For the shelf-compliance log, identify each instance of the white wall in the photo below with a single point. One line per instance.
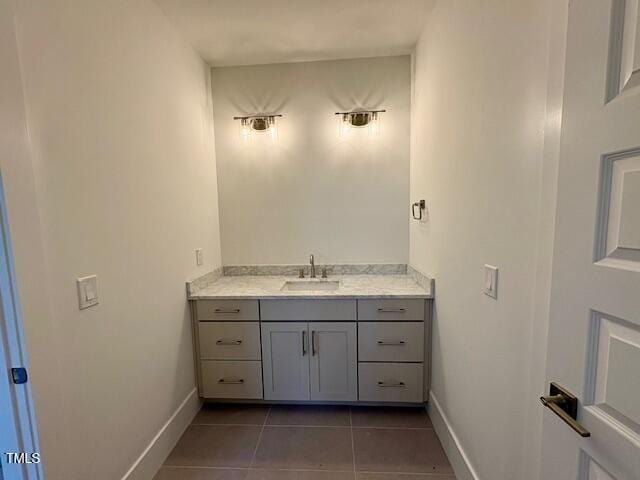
(478, 137)
(345, 200)
(120, 123)
(26, 237)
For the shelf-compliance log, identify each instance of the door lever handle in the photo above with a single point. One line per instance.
(564, 404)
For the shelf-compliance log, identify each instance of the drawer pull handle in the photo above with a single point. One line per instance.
(228, 342)
(391, 343)
(391, 310)
(304, 343)
(391, 385)
(235, 381)
(223, 310)
(314, 346)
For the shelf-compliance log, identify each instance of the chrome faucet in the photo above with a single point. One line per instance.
(313, 266)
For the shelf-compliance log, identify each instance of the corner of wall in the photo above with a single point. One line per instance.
(217, 248)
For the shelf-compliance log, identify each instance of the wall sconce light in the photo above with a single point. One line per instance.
(258, 123)
(360, 119)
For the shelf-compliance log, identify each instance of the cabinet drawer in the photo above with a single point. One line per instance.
(391, 309)
(227, 310)
(307, 310)
(390, 382)
(223, 379)
(391, 341)
(229, 340)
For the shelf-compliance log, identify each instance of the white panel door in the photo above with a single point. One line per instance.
(594, 332)
(334, 361)
(285, 361)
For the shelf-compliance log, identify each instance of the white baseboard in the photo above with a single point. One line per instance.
(452, 447)
(149, 462)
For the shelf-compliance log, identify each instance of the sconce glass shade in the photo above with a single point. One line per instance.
(374, 124)
(245, 129)
(343, 125)
(258, 123)
(272, 128)
(360, 119)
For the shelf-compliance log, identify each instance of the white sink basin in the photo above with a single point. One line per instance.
(311, 285)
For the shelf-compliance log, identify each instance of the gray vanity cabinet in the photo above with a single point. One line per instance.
(285, 360)
(372, 350)
(334, 361)
(310, 361)
(391, 350)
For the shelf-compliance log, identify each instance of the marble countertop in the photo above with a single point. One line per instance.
(351, 286)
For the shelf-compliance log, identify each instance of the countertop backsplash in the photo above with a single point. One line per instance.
(332, 269)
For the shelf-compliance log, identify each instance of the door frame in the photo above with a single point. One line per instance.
(558, 19)
(19, 434)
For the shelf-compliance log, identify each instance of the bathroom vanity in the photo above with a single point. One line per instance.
(347, 339)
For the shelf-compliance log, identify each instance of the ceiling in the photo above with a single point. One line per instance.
(246, 32)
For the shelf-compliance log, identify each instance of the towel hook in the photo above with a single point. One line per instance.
(422, 205)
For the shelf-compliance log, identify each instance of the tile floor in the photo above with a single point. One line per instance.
(302, 442)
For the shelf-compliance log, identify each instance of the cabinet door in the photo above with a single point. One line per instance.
(285, 361)
(334, 366)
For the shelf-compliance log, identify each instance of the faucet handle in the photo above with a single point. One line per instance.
(324, 273)
(301, 275)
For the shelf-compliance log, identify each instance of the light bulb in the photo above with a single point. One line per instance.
(272, 128)
(374, 124)
(245, 129)
(273, 132)
(343, 125)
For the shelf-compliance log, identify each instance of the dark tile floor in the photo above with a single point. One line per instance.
(303, 442)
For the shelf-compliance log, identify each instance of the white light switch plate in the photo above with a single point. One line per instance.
(199, 257)
(87, 291)
(491, 281)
